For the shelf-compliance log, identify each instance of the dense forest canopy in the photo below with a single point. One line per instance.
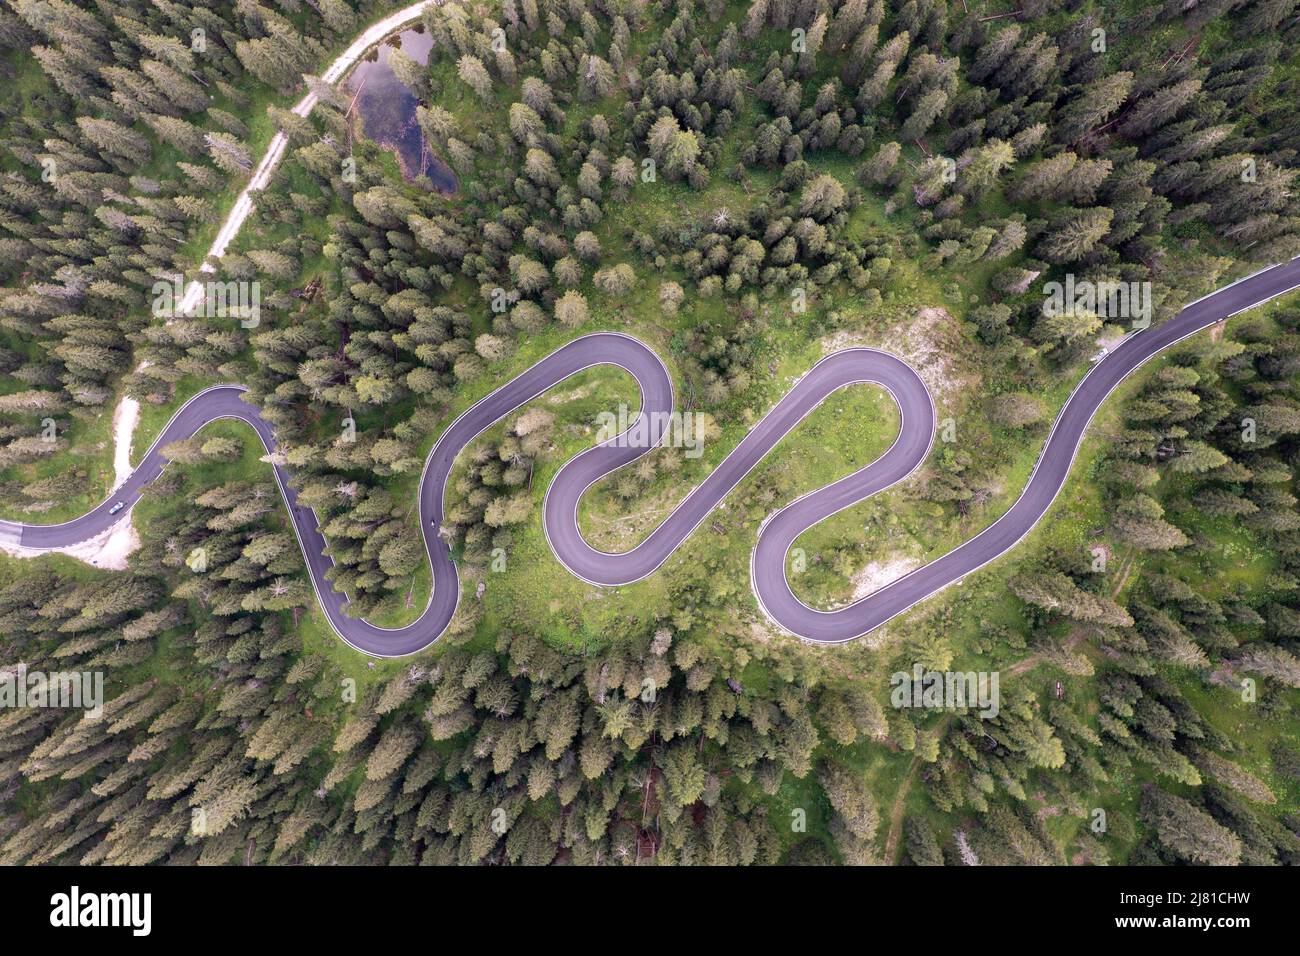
(742, 185)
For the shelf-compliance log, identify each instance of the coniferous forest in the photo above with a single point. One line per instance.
(744, 186)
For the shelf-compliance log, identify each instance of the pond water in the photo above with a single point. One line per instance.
(387, 109)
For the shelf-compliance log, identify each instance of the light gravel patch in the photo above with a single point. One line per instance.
(878, 574)
(931, 341)
(125, 417)
(109, 549)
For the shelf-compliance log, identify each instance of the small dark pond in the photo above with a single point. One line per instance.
(387, 109)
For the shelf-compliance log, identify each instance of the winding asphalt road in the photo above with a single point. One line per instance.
(779, 530)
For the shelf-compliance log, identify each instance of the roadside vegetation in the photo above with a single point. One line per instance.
(744, 187)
